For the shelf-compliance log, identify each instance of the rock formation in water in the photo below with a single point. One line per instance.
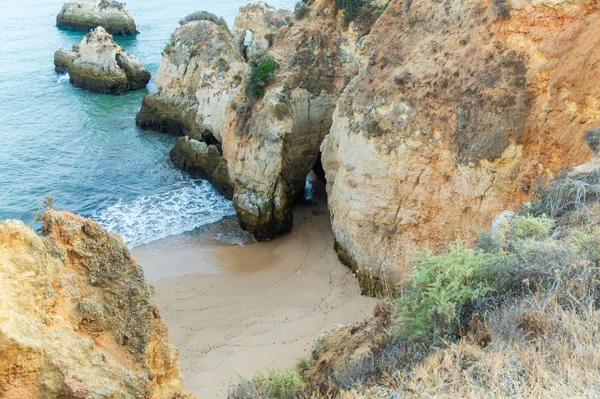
(268, 132)
(88, 14)
(99, 64)
(76, 316)
(199, 76)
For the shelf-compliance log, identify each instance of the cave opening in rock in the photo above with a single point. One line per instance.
(318, 169)
(314, 189)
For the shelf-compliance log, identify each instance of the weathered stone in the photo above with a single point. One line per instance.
(255, 28)
(199, 74)
(99, 64)
(205, 160)
(88, 14)
(453, 119)
(76, 316)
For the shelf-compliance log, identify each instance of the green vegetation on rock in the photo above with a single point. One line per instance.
(516, 314)
(351, 8)
(261, 75)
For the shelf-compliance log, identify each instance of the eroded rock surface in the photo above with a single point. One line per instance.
(88, 14)
(255, 26)
(99, 64)
(199, 76)
(76, 316)
(460, 110)
(269, 143)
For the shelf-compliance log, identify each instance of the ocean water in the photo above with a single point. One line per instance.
(84, 149)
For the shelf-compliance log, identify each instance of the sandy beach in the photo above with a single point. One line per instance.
(237, 309)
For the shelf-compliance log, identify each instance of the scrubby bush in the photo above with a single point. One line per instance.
(261, 75)
(531, 226)
(592, 137)
(276, 384)
(500, 9)
(351, 8)
(301, 10)
(439, 288)
(566, 195)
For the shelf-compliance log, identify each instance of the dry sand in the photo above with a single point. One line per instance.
(235, 309)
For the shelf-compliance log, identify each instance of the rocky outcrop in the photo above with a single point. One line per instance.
(99, 64)
(275, 140)
(199, 76)
(255, 27)
(270, 138)
(461, 109)
(88, 14)
(76, 316)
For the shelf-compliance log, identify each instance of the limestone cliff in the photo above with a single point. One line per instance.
(99, 64)
(437, 115)
(88, 14)
(461, 108)
(76, 316)
(269, 141)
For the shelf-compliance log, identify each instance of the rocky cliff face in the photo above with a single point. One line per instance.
(461, 108)
(438, 116)
(199, 76)
(268, 142)
(88, 14)
(76, 316)
(99, 64)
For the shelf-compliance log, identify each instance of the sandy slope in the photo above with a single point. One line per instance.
(239, 309)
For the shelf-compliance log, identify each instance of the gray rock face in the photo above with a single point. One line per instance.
(88, 14)
(99, 64)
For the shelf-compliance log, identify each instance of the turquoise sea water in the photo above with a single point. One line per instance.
(84, 149)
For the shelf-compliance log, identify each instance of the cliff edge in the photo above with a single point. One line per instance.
(76, 316)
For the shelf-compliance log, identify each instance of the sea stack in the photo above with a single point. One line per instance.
(99, 64)
(200, 74)
(88, 14)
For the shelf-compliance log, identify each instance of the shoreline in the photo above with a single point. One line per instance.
(237, 309)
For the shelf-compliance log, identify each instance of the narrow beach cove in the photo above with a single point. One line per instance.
(253, 307)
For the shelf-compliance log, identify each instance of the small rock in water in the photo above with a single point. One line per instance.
(100, 65)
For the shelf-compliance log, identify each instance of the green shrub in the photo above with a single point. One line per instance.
(261, 75)
(566, 195)
(500, 10)
(592, 137)
(277, 384)
(301, 10)
(303, 365)
(439, 288)
(532, 226)
(351, 8)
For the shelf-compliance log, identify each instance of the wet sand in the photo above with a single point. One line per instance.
(234, 309)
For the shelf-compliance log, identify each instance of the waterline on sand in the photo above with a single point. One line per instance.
(171, 210)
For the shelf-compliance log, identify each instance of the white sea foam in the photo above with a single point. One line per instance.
(63, 78)
(174, 210)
